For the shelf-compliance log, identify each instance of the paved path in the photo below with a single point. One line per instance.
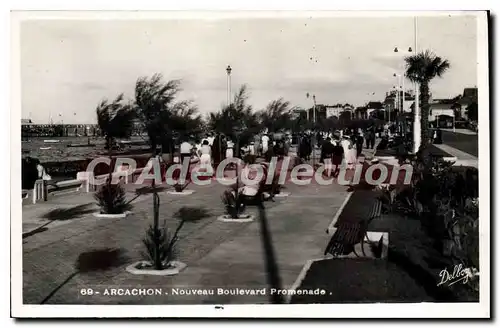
(218, 254)
(461, 131)
(463, 158)
(465, 142)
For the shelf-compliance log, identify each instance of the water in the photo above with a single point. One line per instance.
(60, 152)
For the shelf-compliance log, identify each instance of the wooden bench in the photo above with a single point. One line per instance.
(349, 234)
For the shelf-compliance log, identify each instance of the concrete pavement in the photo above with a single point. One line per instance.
(461, 131)
(467, 143)
(218, 254)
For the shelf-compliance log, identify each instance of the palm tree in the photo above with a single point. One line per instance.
(276, 116)
(422, 68)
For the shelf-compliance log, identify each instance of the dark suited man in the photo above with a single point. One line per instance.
(359, 144)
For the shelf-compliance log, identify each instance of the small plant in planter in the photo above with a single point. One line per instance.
(275, 189)
(111, 199)
(160, 249)
(161, 246)
(179, 186)
(234, 206)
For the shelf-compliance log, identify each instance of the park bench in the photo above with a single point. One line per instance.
(64, 186)
(39, 191)
(348, 234)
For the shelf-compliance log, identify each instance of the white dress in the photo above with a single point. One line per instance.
(265, 144)
(349, 153)
(229, 152)
(206, 158)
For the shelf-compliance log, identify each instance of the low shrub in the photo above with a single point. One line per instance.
(111, 198)
(159, 240)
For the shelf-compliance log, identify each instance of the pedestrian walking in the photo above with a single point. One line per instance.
(359, 144)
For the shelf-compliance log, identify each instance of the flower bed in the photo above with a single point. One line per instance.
(445, 200)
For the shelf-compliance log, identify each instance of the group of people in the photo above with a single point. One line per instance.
(342, 145)
(347, 146)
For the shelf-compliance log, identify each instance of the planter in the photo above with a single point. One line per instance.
(241, 218)
(145, 267)
(226, 181)
(184, 192)
(112, 216)
(281, 194)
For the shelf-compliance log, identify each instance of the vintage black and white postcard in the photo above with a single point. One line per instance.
(250, 164)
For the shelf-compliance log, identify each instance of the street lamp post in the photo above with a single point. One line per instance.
(416, 111)
(416, 123)
(314, 108)
(228, 70)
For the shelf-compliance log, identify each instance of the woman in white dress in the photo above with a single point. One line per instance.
(349, 152)
(206, 157)
(229, 150)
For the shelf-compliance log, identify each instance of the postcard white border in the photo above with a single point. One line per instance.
(431, 310)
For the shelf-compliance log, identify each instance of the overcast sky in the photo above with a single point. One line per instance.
(68, 66)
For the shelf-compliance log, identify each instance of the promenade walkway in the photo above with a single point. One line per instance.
(463, 158)
(218, 254)
(461, 131)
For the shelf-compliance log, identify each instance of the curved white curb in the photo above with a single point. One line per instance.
(176, 269)
(184, 192)
(282, 194)
(112, 216)
(241, 218)
(300, 278)
(331, 226)
(226, 181)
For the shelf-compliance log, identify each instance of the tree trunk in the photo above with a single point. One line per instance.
(424, 114)
(152, 140)
(109, 143)
(156, 216)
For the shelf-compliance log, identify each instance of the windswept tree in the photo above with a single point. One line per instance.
(301, 124)
(237, 121)
(422, 68)
(276, 116)
(115, 120)
(162, 116)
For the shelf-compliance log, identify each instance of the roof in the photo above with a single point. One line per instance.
(469, 96)
(441, 106)
(444, 101)
(375, 105)
(470, 92)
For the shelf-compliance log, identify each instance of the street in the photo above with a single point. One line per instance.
(465, 142)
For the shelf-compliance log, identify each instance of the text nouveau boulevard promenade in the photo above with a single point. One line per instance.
(200, 291)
